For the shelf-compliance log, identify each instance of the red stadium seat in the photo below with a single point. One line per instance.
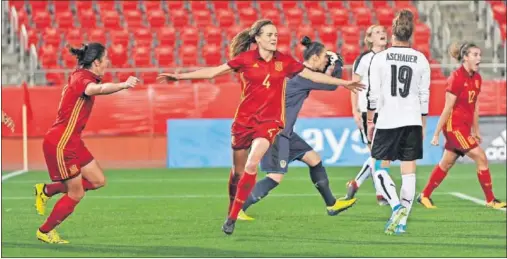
(339, 16)
(385, 16)
(284, 35)
(350, 52)
(108, 77)
(97, 35)
(55, 79)
(293, 17)
(198, 5)
(133, 19)
(69, 60)
(499, 12)
(150, 6)
(64, 19)
(265, 5)
(84, 5)
(33, 38)
(328, 34)
(316, 16)
(189, 35)
(305, 30)
(288, 4)
(212, 55)
(213, 35)
(52, 37)
(179, 18)
(188, 55)
(298, 52)
(111, 20)
(165, 56)
(143, 36)
(22, 18)
(234, 30)
(142, 57)
(87, 18)
(424, 48)
(202, 18)
(173, 5)
(118, 55)
(247, 15)
(357, 4)
(350, 35)
(225, 18)
(106, 6)
(334, 5)
(271, 14)
(156, 18)
(149, 77)
(74, 37)
(61, 6)
(18, 5)
(39, 6)
(312, 5)
(243, 4)
(120, 37)
(284, 48)
(48, 52)
(362, 16)
(379, 3)
(402, 3)
(123, 76)
(422, 34)
(130, 5)
(42, 19)
(221, 5)
(166, 36)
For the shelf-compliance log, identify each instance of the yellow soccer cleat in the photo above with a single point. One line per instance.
(340, 205)
(40, 199)
(242, 216)
(51, 237)
(496, 204)
(426, 202)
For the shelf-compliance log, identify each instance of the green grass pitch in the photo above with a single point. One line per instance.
(178, 213)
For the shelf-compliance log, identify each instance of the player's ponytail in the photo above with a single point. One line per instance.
(311, 48)
(241, 42)
(403, 25)
(458, 51)
(87, 53)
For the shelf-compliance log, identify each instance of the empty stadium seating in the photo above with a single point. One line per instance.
(197, 33)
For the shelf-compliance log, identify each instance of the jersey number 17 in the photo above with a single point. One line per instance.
(402, 75)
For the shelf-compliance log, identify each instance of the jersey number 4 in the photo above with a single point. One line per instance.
(402, 75)
(266, 81)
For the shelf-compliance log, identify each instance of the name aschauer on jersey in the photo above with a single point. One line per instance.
(401, 57)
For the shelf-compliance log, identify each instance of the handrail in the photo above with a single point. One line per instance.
(14, 28)
(33, 64)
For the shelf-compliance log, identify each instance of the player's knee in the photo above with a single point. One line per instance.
(100, 182)
(482, 161)
(446, 165)
(251, 166)
(76, 193)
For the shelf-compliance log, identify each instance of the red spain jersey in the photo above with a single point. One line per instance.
(466, 87)
(263, 86)
(74, 110)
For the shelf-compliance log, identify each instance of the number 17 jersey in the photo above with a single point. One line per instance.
(399, 87)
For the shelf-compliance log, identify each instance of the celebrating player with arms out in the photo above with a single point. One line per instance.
(261, 113)
(376, 40)
(71, 166)
(399, 91)
(459, 122)
(288, 145)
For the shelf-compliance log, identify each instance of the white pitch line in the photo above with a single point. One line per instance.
(188, 196)
(472, 199)
(12, 174)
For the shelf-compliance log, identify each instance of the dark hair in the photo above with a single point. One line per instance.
(312, 48)
(458, 51)
(403, 25)
(241, 42)
(88, 53)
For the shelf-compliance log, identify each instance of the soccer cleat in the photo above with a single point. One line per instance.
(496, 204)
(395, 219)
(351, 189)
(228, 226)
(51, 237)
(426, 202)
(340, 205)
(40, 199)
(400, 229)
(242, 216)
(382, 201)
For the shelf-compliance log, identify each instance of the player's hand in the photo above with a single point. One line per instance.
(131, 82)
(167, 77)
(371, 129)
(358, 119)
(477, 138)
(434, 141)
(354, 86)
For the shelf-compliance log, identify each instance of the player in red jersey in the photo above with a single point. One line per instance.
(261, 113)
(461, 129)
(71, 166)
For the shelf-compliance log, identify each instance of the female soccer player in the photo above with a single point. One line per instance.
(459, 122)
(261, 113)
(71, 166)
(399, 93)
(376, 40)
(288, 145)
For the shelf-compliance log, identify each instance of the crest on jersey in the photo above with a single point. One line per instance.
(73, 169)
(278, 66)
(283, 163)
(255, 65)
(477, 84)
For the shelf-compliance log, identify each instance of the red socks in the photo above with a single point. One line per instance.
(63, 208)
(245, 186)
(58, 187)
(485, 180)
(233, 183)
(437, 176)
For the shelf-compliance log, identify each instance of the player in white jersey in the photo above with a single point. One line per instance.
(399, 93)
(376, 40)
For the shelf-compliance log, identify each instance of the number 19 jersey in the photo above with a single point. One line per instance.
(399, 87)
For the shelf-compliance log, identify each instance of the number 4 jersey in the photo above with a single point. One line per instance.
(399, 87)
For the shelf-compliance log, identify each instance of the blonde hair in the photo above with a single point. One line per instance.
(368, 34)
(241, 42)
(458, 51)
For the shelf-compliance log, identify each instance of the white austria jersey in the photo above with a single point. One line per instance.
(361, 66)
(399, 87)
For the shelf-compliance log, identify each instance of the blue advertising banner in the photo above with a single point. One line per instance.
(207, 142)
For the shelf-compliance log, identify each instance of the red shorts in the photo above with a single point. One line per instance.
(459, 141)
(65, 163)
(242, 136)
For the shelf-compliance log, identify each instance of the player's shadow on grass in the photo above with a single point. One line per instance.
(138, 251)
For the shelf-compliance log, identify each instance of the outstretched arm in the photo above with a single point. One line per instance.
(203, 73)
(109, 88)
(325, 79)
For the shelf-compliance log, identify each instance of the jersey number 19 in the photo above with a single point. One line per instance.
(402, 75)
